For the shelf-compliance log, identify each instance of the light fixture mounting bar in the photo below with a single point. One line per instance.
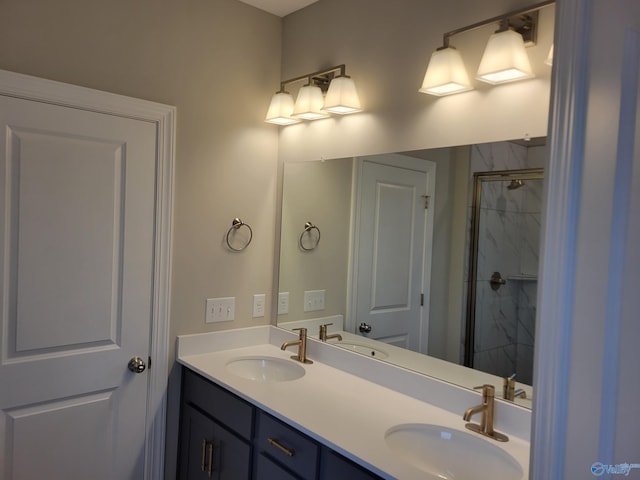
(321, 78)
(515, 19)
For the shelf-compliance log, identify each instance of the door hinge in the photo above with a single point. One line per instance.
(422, 299)
(426, 201)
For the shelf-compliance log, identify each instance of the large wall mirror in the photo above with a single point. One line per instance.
(426, 259)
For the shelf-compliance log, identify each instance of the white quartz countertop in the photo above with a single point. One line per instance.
(339, 409)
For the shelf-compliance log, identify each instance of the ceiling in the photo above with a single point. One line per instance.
(279, 7)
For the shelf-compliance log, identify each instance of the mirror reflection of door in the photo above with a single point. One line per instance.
(394, 229)
(504, 248)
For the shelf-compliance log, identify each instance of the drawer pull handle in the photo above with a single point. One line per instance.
(206, 465)
(204, 452)
(210, 470)
(287, 451)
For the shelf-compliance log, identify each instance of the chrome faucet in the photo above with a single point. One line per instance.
(302, 346)
(486, 410)
(323, 333)
(509, 391)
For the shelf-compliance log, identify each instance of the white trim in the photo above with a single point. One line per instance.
(164, 116)
(563, 175)
(618, 253)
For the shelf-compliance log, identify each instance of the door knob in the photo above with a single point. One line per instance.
(364, 327)
(137, 365)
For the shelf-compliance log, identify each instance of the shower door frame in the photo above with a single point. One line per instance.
(478, 179)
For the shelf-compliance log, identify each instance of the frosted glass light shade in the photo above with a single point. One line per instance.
(505, 59)
(446, 74)
(342, 97)
(280, 109)
(549, 60)
(309, 103)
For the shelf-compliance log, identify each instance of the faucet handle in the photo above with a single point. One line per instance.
(303, 331)
(509, 386)
(488, 390)
(487, 386)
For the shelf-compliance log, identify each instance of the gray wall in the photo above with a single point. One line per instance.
(319, 192)
(218, 62)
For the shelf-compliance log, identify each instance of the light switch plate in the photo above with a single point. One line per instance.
(220, 309)
(283, 303)
(314, 300)
(259, 300)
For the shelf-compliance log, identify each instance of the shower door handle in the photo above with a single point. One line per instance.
(497, 281)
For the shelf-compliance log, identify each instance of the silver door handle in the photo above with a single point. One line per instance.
(364, 327)
(136, 365)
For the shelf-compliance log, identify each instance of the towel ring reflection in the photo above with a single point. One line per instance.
(236, 225)
(308, 227)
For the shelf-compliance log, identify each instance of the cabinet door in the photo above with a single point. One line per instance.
(231, 456)
(267, 469)
(195, 441)
(209, 451)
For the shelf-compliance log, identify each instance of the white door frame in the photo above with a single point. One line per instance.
(164, 117)
(576, 380)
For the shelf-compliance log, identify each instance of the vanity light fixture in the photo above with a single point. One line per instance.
(312, 104)
(309, 103)
(504, 59)
(549, 60)
(446, 73)
(280, 109)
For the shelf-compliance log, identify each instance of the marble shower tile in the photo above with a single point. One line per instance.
(500, 361)
(524, 364)
(498, 244)
(495, 319)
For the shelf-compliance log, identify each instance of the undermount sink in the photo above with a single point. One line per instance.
(450, 454)
(363, 349)
(265, 369)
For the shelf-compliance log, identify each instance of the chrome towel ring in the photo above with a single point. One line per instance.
(235, 226)
(308, 227)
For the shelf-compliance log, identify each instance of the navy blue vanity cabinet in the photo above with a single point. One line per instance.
(215, 432)
(224, 437)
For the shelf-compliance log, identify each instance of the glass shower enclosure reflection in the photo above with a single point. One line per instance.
(503, 266)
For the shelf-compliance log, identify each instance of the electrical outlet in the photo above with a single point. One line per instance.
(314, 300)
(283, 303)
(259, 300)
(220, 309)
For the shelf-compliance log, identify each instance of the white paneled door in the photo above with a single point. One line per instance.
(77, 238)
(394, 238)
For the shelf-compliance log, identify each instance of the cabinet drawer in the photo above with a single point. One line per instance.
(224, 406)
(285, 445)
